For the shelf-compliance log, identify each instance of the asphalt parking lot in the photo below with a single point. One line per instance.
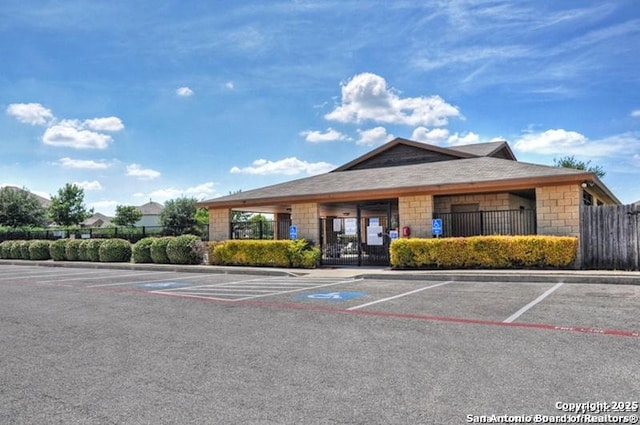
(143, 346)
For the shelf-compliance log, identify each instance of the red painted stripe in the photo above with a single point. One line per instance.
(458, 320)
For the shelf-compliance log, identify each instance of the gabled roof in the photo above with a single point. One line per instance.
(151, 208)
(475, 173)
(498, 149)
(44, 202)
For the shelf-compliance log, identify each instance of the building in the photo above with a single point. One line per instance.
(150, 214)
(398, 189)
(97, 220)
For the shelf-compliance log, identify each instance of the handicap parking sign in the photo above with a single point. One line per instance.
(436, 227)
(333, 295)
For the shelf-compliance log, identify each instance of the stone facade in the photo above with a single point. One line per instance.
(416, 212)
(219, 223)
(307, 218)
(558, 210)
(486, 202)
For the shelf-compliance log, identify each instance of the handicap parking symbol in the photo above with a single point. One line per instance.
(333, 296)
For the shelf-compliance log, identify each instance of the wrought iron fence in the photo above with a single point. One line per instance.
(132, 234)
(509, 222)
(260, 229)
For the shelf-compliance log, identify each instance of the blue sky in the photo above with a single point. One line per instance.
(139, 100)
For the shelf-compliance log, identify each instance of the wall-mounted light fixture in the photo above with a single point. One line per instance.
(586, 184)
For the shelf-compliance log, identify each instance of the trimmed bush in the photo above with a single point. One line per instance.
(273, 253)
(159, 250)
(83, 250)
(141, 251)
(24, 250)
(72, 250)
(93, 249)
(485, 252)
(185, 249)
(57, 249)
(39, 250)
(15, 252)
(115, 250)
(5, 249)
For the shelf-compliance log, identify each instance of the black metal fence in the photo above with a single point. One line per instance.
(260, 229)
(132, 234)
(508, 222)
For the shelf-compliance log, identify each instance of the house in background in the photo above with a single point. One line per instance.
(150, 214)
(97, 220)
(44, 202)
(396, 190)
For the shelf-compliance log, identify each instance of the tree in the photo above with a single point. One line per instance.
(19, 208)
(67, 207)
(570, 161)
(127, 215)
(179, 216)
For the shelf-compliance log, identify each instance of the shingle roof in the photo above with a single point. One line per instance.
(151, 208)
(482, 149)
(461, 171)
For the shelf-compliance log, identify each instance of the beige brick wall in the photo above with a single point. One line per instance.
(306, 217)
(485, 201)
(416, 212)
(219, 223)
(558, 210)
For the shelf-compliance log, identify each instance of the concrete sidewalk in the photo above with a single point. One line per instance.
(529, 275)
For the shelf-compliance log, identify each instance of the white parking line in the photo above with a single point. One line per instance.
(355, 307)
(169, 279)
(100, 276)
(524, 309)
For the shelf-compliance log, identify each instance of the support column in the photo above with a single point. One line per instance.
(306, 217)
(219, 224)
(416, 212)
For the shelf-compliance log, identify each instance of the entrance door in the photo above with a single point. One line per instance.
(357, 241)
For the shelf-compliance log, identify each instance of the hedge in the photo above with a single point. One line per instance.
(57, 249)
(141, 251)
(5, 249)
(72, 251)
(273, 253)
(93, 249)
(185, 249)
(115, 250)
(39, 250)
(485, 252)
(159, 250)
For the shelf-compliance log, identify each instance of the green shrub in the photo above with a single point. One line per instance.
(72, 250)
(141, 251)
(92, 247)
(159, 250)
(115, 250)
(83, 250)
(15, 252)
(24, 250)
(273, 253)
(57, 249)
(5, 249)
(185, 249)
(485, 252)
(39, 250)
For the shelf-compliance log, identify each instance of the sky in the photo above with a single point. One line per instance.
(154, 100)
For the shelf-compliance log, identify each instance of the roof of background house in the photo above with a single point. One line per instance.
(97, 220)
(43, 201)
(151, 208)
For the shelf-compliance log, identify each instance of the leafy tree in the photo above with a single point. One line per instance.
(570, 161)
(179, 216)
(19, 208)
(202, 216)
(126, 215)
(67, 207)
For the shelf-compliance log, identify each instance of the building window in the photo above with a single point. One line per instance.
(587, 198)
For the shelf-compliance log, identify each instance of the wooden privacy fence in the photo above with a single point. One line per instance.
(609, 237)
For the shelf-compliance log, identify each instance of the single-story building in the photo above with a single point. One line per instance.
(398, 189)
(150, 214)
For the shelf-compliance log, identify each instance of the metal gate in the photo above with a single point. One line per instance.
(357, 241)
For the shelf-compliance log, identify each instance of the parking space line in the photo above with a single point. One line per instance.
(356, 307)
(38, 274)
(301, 289)
(524, 309)
(169, 279)
(100, 276)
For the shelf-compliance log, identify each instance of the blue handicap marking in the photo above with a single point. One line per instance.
(333, 296)
(436, 226)
(163, 285)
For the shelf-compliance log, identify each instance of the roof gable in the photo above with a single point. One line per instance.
(401, 151)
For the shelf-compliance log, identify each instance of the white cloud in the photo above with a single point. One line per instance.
(230, 85)
(82, 163)
(636, 113)
(435, 135)
(199, 192)
(331, 135)
(107, 208)
(135, 170)
(467, 139)
(286, 166)
(374, 136)
(104, 124)
(70, 133)
(184, 92)
(559, 141)
(367, 97)
(87, 185)
(30, 113)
